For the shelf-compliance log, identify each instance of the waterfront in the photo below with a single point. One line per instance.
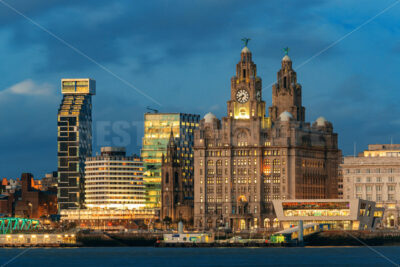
(149, 256)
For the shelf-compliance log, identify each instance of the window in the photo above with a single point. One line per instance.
(369, 197)
(390, 197)
(378, 188)
(379, 197)
(390, 187)
(358, 179)
(369, 188)
(391, 179)
(378, 179)
(368, 179)
(358, 189)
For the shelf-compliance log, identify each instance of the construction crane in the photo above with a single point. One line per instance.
(152, 109)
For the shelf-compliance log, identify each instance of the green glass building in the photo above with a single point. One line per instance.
(157, 131)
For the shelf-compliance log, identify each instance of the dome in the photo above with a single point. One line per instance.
(321, 121)
(209, 117)
(285, 116)
(286, 58)
(245, 50)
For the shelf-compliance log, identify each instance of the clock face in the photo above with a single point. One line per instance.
(242, 96)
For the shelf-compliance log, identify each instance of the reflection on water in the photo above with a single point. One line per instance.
(149, 256)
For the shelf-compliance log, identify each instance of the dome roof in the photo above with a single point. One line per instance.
(286, 58)
(209, 117)
(321, 121)
(245, 50)
(285, 116)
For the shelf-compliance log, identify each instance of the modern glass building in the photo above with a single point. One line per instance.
(157, 131)
(74, 140)
(114, 180)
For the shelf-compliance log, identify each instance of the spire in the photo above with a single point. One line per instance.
(171, 141)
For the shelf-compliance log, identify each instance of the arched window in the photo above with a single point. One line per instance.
(267, 223)
(167, 178)
(176, 178)
(284, 82)
(276, 223)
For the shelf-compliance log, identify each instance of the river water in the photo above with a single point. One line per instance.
(169, 257)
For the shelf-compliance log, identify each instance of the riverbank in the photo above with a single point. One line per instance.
(326, 238)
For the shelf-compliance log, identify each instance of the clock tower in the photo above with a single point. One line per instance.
(245, 102)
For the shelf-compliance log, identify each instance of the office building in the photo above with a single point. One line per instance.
(157, 129)
(374, 175)
(114, 180)
(74, 140)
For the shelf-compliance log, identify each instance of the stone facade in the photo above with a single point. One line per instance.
(176, 189)
(375, 175)
(246, 160)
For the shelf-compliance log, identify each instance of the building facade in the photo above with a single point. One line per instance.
(177, 190)
(157, 129)
(374, 175)
(28, 202)
(74, 140)
(247, 160)
(114, 180)
(349, 214)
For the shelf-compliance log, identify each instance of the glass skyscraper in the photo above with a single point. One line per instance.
(157, 131)
(74, 140)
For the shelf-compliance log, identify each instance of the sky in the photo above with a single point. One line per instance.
(179, 56)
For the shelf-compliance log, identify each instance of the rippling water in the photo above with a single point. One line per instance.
(149, 256)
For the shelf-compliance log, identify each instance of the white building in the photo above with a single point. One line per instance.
(114, 180)
(375, 175)
(345, 214)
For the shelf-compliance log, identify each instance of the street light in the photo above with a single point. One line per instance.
(79, 211)
(30, 205)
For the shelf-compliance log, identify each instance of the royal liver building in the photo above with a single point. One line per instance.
(245, 160)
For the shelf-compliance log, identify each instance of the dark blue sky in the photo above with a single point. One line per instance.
(183, 54)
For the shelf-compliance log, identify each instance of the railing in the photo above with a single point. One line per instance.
(8, 225)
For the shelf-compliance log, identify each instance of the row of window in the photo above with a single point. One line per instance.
(378, 188)
(377, 179)
(375, 170)
(379, 197)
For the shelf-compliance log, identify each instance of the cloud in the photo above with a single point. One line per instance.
(29, 88)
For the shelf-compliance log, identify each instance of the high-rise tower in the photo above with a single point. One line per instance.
(74, 140)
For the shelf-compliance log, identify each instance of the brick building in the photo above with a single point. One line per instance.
(28, 202)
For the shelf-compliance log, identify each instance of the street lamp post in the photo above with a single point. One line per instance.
(79, 211)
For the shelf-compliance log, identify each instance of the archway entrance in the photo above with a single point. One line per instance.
(242, 224)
